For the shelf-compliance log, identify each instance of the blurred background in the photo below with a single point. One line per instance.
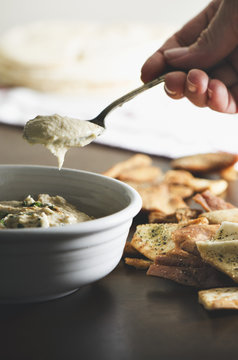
(157, 11)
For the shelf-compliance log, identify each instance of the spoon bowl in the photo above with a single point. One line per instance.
(59, 133)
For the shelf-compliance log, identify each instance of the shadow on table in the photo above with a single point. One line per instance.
(57, 329)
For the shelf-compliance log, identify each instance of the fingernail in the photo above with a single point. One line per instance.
(168, 91)
(171, 54)
(191, 87)
(209, 93)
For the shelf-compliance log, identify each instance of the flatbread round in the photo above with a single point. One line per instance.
(59, 55)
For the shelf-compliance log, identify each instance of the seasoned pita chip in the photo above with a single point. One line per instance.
(185, 178)
(210, 202)
(130, 251)
(217, 187)
(205, 163)
(199, 199)
(158, 198)
(186, 214)
(141, 174)
(152, 240)
(179, 258)
(219, 298)
(181, 190)
(218, 216)
(199, 184)
(187, 237)
(180, 215)
(222, 250)
(227, 231)
(201, 277)
(179, 274)
(140, 264)
(133, 162)
(198, 221)
(229, 174)
(160, 217)
(223, 255)
(179, 177)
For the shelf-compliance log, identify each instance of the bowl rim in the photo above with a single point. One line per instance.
(90, 226)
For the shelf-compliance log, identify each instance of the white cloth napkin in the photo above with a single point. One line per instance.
(151, 123)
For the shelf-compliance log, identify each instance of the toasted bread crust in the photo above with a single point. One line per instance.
(152, 240)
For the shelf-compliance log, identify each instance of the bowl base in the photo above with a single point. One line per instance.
(34, 299)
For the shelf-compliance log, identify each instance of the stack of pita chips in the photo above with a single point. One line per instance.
(191, 246)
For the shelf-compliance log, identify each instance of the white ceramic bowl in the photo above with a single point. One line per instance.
(38, 264)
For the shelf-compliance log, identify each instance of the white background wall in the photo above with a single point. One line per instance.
(175, 12)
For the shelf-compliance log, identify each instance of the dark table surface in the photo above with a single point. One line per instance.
(127, 315)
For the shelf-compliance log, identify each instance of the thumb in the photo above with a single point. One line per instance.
(214, 43)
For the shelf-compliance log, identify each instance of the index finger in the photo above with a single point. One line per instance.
(156, 64)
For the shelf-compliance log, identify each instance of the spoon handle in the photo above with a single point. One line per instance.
(99, 120)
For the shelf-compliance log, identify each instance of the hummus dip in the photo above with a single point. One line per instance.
(46, 211)
(59, 133)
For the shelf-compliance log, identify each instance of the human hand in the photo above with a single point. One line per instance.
(207, 49)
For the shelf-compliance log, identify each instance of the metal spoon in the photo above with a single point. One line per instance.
(59, 133)
(99, 120)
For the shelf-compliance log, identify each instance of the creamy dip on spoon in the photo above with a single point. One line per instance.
(58, 133)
